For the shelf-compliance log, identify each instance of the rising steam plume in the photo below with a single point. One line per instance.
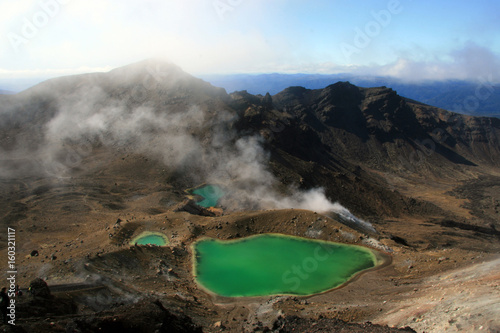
(114, 111)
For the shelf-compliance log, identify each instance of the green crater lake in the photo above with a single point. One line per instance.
(211, 195)
(273, 264)
(148, 237)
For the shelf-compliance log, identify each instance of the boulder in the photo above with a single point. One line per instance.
(39, 288)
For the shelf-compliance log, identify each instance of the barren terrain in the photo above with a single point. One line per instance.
(436, 219)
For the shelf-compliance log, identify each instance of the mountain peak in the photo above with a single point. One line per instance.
(157, 70)
(142, 79)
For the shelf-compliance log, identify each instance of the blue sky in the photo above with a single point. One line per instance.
(411, 39)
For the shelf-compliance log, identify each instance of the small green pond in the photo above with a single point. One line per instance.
(211, 195)
(272, 264)
(148, 237)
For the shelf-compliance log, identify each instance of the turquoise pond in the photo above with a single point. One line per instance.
(273, 264)
(147, 237)
(211, 195)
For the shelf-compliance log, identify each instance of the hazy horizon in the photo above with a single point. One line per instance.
(11, 85)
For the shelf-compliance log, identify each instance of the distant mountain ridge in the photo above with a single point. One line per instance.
(479, 98)
(465, 97)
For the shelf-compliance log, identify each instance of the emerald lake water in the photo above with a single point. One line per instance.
(211, 195)
(148, 237)
(272, 264)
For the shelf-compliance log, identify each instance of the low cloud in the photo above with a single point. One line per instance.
(470, 63)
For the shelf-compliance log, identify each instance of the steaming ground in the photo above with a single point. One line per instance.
(202, 145)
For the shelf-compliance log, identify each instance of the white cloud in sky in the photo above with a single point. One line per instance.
(471, 62)
(103, 34)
